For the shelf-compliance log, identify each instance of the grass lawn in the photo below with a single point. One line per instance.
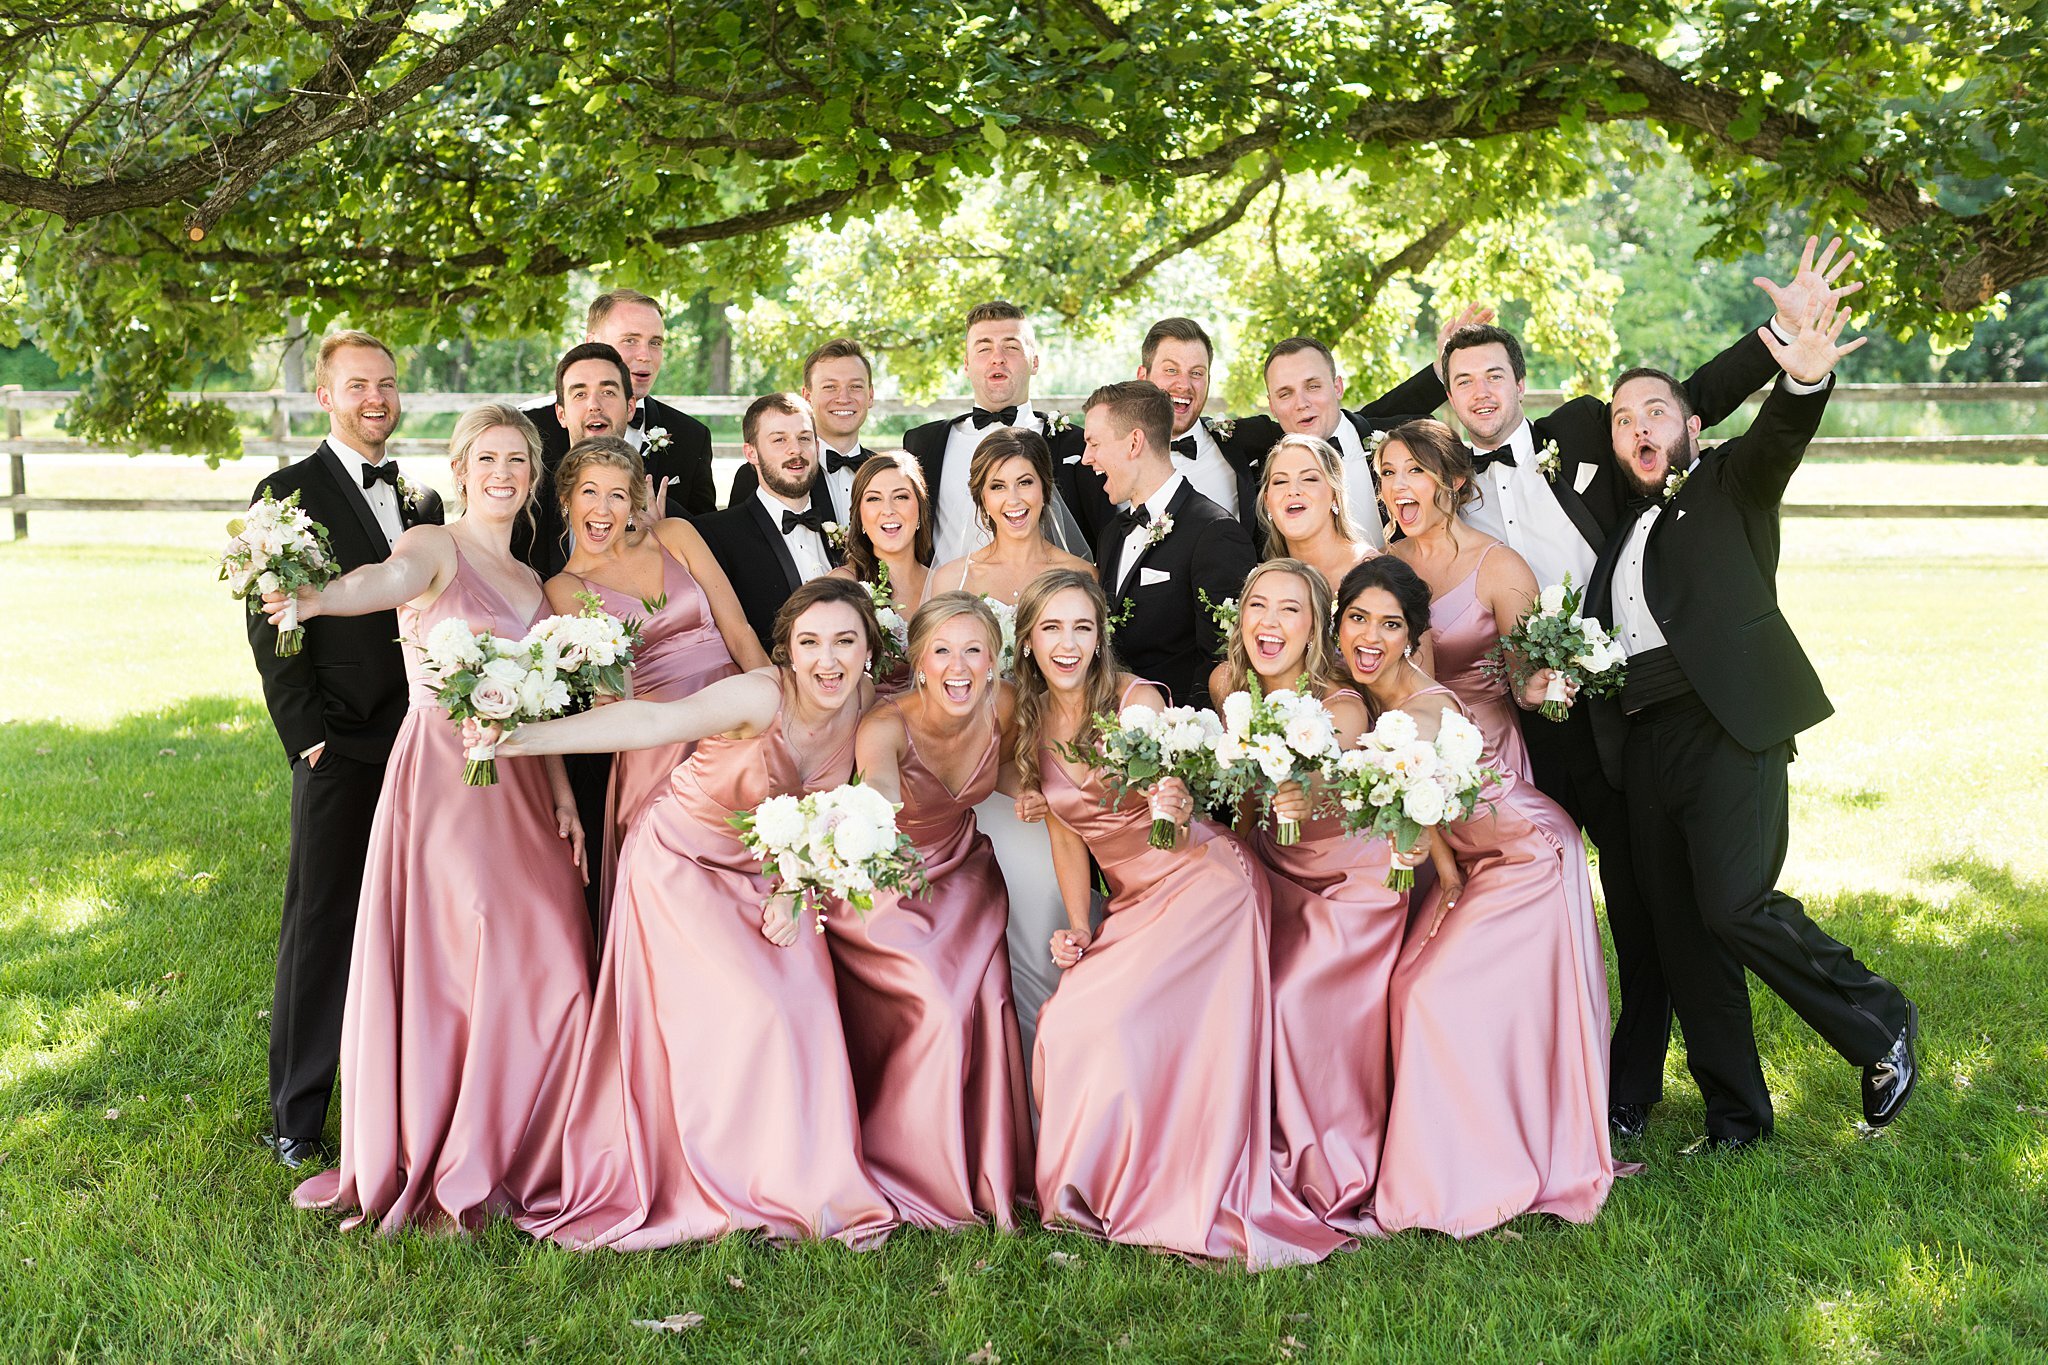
(142, 841)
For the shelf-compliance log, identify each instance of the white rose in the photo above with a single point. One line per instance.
(1423, 802)
(855, 839)
(1137, 717)
(1395, 728)
(1459, 741)
(1311, 734)
(779, 821)
(1229, 750)
(1552, 599)
(1211, 724)
(509, 671)
(1237, 712)
(1415, 759)
(494, 699)
(266, 582)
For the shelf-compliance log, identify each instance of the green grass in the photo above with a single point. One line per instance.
(142, 834)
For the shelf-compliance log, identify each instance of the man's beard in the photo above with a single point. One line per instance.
(783, 486)
(1675, 459)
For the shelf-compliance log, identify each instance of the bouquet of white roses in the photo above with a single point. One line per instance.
(841, 843)
(276, 547)
(1139, 746)
(590, 651)
(1006, 617)
(495, 680)
(1554, 636)
(1270, 738)
(1397, 784)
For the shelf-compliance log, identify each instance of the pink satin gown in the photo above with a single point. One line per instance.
(1465, 630)
(469, 983)
(924, 991)
(1500, 1032)
(1337, 930)
(680, 652)
(713, 1093)
(1154, 1056)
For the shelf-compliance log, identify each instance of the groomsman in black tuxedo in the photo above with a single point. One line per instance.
(593, 397)
(1700, 740)
(1548, 487)
(1001, 357)
(336, 706)
(1168, 546)
(840, 387)
(674, 447)
(774, 541)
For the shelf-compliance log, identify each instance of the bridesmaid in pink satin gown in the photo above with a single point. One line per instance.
(1499, 999)
(469, 984)
(890, 528)
(1479, 588)
(1154, 1061)
(693, 632)
(1336, 924)
(924, 981)
(713, 1093)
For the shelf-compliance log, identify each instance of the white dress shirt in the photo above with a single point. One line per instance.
(1208, 471)
(1135, 538)
(839, 482)
(806, 547)
(1359, 485)
(382, 497)
(960, 531)
(1516, 505)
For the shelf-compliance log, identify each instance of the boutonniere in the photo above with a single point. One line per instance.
(1373, 441)
(1120, 617)
(1223, 613)
(409, 493)
(1157, 530)
(1674, 481)
(835, 535)
(1548, 460)
(1058, 424)
(654, 439)
(1222, 428)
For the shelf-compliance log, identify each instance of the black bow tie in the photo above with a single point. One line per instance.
(638, 421)
(1133, 517)
(834, 461)
(1184, 446)
(792, 520)
(1006, 416)
(1505, 455)
(374, 474)
(1640, 503)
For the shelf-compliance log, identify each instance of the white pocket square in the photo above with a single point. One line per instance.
(1071, 459)
(1147, 577)
(1583, 476)
(1681, 514)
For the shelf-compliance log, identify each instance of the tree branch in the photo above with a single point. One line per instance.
(1190, 240)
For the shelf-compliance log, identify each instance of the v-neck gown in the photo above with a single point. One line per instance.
(924, 991)
(1465, 631)
(469, 983)
(1155, 1056)
(680, 652)
(713, 1093)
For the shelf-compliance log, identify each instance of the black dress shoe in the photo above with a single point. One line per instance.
(292, 1153)
(1716, 1142)
(1888, 1081)
(1628, 1122)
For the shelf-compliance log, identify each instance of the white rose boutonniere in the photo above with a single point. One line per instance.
(1548, 460)
(1373, 441)
(1223, 428)
(1058, 424)
(409, 493)
(835, 535)
(654, 439)
(1159, 529)
(1674, 481)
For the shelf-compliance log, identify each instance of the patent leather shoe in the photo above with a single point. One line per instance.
(294, 1153)
(1628, 1122)
(1888, 1081)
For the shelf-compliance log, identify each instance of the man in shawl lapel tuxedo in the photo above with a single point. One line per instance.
(1702, 733)
(839, 385)
(675, 448)
(336, 706)
(1548, 487)
(1168, 547)
(773, 542)
(1001, 357)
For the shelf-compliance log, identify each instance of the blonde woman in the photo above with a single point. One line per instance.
(1305, 511)
(469, 987)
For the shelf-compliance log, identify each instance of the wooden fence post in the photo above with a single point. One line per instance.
(280, 428)
(17, 468)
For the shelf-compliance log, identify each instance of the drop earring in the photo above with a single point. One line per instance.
(1026, 651)
(920, 678)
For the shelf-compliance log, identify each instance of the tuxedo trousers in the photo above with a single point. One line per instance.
(1709, 826)
(1566, 765)
(590, 779)
(334, 804)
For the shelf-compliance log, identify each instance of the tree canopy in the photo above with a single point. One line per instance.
(175, 178)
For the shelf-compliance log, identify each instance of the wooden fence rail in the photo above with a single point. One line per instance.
(280, 407)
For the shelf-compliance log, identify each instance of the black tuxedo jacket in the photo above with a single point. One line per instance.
(685, 459)
(1168, 636)
(1710, 577)
(1585, 442)
(1079, 486)
(748, 546)
(346, 687)
(745, 481)
(1252, 438)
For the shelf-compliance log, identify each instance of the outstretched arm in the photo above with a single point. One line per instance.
(421, 564)
(739, 705)
(1724, 383)
(1757, 466)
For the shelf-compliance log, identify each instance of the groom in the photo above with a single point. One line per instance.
(1166, 549)
(336, 706)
